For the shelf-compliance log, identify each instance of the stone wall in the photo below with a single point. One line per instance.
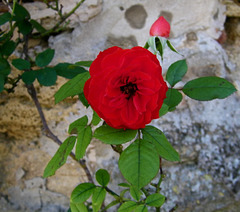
(206, 134)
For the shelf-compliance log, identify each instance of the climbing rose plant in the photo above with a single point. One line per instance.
(125, 88)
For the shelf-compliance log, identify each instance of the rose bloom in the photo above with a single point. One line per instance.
(126, 87)
(160, 28)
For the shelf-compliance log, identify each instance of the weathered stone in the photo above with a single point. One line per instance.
(233, 8)
(204, 133)
(136, 16)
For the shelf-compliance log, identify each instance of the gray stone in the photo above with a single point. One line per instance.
(136, 16)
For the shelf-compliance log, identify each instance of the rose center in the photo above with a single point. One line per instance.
(129, 89)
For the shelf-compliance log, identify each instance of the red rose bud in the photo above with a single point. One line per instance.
(160, 28)
(126, 87)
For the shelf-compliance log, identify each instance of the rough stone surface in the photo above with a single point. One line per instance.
(206, 134)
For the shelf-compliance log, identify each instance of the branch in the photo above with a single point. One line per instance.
(63, 19)
(32, 92)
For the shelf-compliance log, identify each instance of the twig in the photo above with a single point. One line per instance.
(63, 18)
(32, 92)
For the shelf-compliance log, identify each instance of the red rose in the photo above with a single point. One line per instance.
(126, 87)
(160, 28)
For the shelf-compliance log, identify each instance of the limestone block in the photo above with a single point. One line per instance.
(233, 8)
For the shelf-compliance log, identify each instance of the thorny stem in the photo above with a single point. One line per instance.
(32, 92)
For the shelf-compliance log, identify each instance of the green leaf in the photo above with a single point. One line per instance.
(163, 147)
(82, 192)
(45, 57)
(124, 185)
(84, 63)
(2, 79)
(4, 18)
(155, 200)
(172, 47)
(78, 207)
(135, 193)
(79, 123)
(5, 68)
(163, 110)
(21, 64)
(83, 140)
(96, 119)
(8, 47)
(174, 97)
(83, 99)
(176, 71)
(24, 26)
(37, 26)
(114, 136)
(60, 156)
(20, 13)
(98, 197)
(103, 177)
(68, 70)
(72, 87)
(141, 208)
(127, 206)
(28, 77)
(115, 202)
(46, 76)
(208, 88)
(139, 163)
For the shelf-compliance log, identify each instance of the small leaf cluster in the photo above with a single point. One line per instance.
(201, 89)
(19, 22)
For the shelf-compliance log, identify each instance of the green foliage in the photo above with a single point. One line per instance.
(46, 76)
(83, 140)
(176, 71)
(24, 27)
(45, 57)
(114, 136)
(155, 200)
(8, 47)
(84, 63)
(78, 207)
(163, 110)
(208, 88)
(98, 197)
(174, 97)
(82, 192)
(68, 70)
(158, 139)
(135, 193)
(1, 82)
(72, 87)
(128, 206)
(37, 26)
(5, 68)
(60, 156)
(141, 208)
(139, 163)
(77, 124)
(20, 13)
(103, 177)
(21, 64)
(96, 119)
(28, 77)
(4, 18)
